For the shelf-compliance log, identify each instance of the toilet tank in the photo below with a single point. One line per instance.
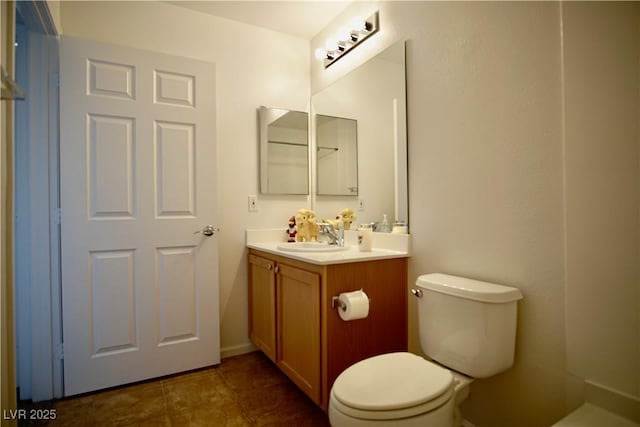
(467, 325)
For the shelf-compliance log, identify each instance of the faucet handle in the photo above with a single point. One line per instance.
(326, 225)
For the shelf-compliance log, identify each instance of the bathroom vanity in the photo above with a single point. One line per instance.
(293, 321)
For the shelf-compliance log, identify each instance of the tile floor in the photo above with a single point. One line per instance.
(245, 390)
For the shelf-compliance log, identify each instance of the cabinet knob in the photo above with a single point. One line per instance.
(277, 270)
(269, 266)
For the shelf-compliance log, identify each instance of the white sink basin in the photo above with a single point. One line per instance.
(311, 247)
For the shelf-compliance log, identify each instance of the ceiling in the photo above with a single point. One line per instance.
(300, 18)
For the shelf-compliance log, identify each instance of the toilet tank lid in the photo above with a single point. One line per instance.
(468, 288)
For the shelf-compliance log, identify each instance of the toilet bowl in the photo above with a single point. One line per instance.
(396, 389)
(466, 325)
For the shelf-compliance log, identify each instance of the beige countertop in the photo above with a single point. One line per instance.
(384, 246)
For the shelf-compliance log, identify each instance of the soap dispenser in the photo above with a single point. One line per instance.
(385, 227)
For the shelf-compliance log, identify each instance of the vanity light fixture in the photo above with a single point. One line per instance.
(348, 39)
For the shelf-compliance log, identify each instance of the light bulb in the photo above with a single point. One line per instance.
(344, 34)
(331, 45)
(320, 53)
(358, 24)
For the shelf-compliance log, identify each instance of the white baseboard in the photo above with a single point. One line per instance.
(612, 400)
(236, 350)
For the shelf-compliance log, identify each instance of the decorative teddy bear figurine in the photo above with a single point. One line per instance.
(307, 226)
(291, 231)
(347, 216)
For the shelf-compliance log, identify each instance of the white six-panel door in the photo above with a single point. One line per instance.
(139, 285)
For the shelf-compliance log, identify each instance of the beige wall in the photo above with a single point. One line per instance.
(54, 10)
(254, 67)
(497, 193)
(602, 75)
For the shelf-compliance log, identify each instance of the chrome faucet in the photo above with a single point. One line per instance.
(334, 237)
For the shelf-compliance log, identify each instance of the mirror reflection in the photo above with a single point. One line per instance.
(373, 97)
(284, 151)
(337, 155)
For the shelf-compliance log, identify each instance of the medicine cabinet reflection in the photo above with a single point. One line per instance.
(336, 155)
(284, 151)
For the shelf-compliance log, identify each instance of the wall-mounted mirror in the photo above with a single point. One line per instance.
(336, 155)
(373, 96)
(284, 151)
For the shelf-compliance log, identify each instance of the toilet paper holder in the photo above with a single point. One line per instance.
(335, 302)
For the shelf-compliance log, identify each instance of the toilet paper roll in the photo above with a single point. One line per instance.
(353, 305)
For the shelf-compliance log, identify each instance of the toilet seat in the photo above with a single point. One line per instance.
(391, 386)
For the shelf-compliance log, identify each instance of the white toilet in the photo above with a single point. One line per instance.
(467, 326)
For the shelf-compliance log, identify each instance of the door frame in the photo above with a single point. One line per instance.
(37, 281)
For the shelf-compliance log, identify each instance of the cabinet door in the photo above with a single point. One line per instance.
(299, 328)
(262, 304)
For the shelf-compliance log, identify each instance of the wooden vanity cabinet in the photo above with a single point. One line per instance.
(278, 294)
(292, 321)
(298, 328)
(262, 304)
